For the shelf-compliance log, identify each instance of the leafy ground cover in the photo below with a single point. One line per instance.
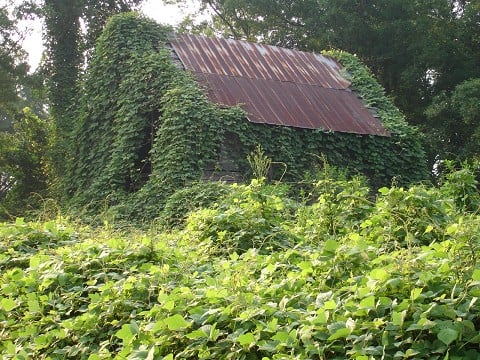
(256, 275)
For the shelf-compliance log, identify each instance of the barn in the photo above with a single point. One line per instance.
(161, 110)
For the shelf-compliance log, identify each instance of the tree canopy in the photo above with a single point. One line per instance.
(13, 68)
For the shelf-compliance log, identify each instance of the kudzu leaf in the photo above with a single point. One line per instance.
(476, 275)
(330, 305)
(281, 336)
(447, 336)
(127, 332)
(452, 229)
(330, 246)
(340, 333)
(196, 334)
(354, 236)
(415, 293)
(384, 190)
(246, 339)
(8, 304)
(428, 229)
(398, 317)
(176, 322)
(368, 303)
(411, 352)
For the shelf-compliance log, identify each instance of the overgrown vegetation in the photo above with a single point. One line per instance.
(332, 263)
(146, 129)
(255, 275)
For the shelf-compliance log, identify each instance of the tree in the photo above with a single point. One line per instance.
(457, 118)
(67, 47)
(23, 163)
(67, 44)
(13, 69)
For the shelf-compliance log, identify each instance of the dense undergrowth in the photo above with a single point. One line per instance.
(254, 275)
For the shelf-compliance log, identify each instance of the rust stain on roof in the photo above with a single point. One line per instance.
(275, 85)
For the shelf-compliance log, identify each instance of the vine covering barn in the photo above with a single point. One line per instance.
(162, 110)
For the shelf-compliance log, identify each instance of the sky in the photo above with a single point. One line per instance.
(155, 9)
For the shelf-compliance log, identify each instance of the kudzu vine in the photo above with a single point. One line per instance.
(145, 129)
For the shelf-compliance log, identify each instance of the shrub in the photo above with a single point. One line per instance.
(251, 216)
(340, 202)
(194, 197)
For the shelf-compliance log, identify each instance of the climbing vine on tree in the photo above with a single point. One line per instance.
(146, 129)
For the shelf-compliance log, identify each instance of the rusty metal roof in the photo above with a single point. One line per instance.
(275, 85)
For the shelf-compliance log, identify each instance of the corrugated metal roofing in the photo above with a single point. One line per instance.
(275, 85)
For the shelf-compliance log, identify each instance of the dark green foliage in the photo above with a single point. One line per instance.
(62, 20)
(193, 197)
(457, 118)
(462, 185)
(67, 46)
(13, 69)
(338, 201)
(24, 165)
(405, 151)
(114, 130)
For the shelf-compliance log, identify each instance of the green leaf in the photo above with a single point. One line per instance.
(330, 246)
(330, 305)
(354, 236)
(368, 303)
(176, 322)
(379, 274)
(398, 317)
(281, 336)
(8, 304)
(476, 275)
(246, 339)
(452, 229)
(415, 293)
(340, 333)
(127, 332)
(196, 334)
(447, 336)
(384, 190)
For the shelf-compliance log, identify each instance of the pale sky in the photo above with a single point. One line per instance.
(155, 9)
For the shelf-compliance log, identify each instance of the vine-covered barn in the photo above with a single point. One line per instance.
(274, 86)
(160, 111)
